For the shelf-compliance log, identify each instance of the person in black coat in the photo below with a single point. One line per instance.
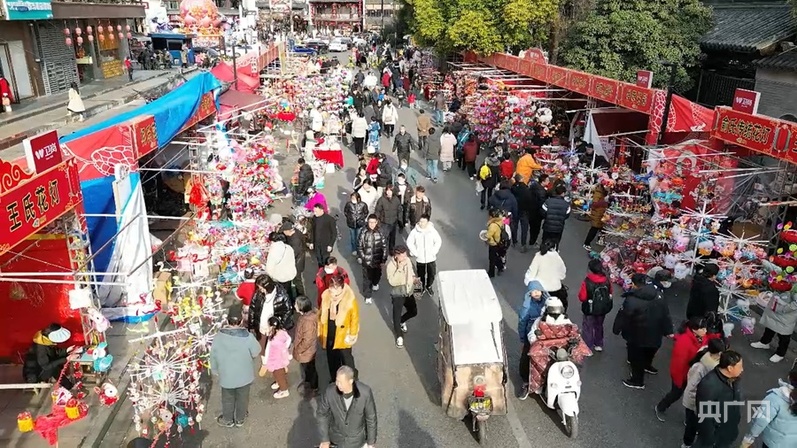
(296, 241)
(306, 179)
(704, 297)
(720, 395)
(371, 254)
(388, 211)
(523, 197)
(44, 360)
(504, 200)
(538, 190)
(643, 320)
(347, 426)
(555, 210)
(323, 234)
(356, 213)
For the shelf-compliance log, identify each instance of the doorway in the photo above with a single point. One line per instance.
(14, 67)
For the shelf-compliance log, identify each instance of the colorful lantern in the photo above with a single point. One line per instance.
(25, 422)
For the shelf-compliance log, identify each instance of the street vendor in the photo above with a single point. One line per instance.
(44, 359)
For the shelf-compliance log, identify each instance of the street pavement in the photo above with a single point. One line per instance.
(405, 382)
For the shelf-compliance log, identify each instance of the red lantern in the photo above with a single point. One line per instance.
(78, 31)
(102, 37)
(129, 35)
(79, 40)
(118, 27)
(68, 41)
(91, 38)
(67, 32)
(121, 36)
(89, 29)
(100, 29)
(127, 28)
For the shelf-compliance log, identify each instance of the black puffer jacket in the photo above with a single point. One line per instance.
(644, 318)
(704, 298)
(283, 309)
(716, 391)
(413, 209)
(555, 211)
(538, 195)
(297, 243)
(372, 247)
(385, 175)
(505, 200)
(522, 196)
(356, 214)
(388, 210)
(306, 179)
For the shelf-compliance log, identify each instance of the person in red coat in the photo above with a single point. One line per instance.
(692, 337)
(330, 269)
(507, 167)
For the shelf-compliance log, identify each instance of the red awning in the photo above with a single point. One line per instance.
(246, 83)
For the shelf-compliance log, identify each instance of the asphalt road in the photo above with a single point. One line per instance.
(405, 381)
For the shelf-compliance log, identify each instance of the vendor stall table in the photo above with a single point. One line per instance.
(333, 156)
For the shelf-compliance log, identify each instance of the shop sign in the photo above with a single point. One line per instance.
(43, 151)
(145, 135)
(28, 9)
(207, 107)
(580, 82)
(557, 75)
(27, 208)
(605, 89)
(644, 78)
(776, 138)
(746, 101)
(635, 98)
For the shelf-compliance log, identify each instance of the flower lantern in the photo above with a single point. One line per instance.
(68, 41)
(89, 29)
(79, 40)
(100, 29)
(91, 38)
(78, 31)
(67, 32)
(121, 35)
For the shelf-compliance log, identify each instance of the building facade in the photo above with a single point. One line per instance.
(46, 45)
(379, 13)
(330, 16)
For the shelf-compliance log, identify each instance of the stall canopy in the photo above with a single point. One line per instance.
(246, 83)
(232, 100)
(107, 155)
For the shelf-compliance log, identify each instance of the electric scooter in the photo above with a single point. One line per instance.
(562, 389)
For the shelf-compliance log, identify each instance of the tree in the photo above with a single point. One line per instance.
(620, 37)
(484, 26)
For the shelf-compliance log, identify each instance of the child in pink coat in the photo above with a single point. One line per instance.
(278, 356)
(316, 198)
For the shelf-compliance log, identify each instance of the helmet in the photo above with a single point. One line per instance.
(554, 307)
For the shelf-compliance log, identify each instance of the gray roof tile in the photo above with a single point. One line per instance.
(749, 28)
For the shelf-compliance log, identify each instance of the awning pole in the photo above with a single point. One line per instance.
(61, 282)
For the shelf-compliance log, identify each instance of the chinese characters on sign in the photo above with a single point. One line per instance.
(714, 410)
(776, 138)
(25, 209)
(207, 106)
(644, 78)
(43, 151)
(145, 135)
(746, 101)
(636, 98)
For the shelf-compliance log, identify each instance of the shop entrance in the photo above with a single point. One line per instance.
(15, 69)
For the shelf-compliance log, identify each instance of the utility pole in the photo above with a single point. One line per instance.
(382, 16)
(234, 64)
(668, 102)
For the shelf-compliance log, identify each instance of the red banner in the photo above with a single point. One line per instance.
(776, 138)
(43, 151)
(207, 107)
(635, 98)
(28, 207)
(98, 153)
(557, 75)
(580, 82)
(605, 89)
(145, 136)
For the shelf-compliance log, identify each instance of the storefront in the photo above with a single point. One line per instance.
(18, 64)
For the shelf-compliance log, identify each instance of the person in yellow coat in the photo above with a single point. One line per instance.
(526, 165)
(338, 324)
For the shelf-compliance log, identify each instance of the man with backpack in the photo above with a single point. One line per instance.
(488, 175)
(497, 243)
(595, 296)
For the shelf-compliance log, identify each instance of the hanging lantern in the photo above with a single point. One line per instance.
(118, 27)
(102, 37)
(100, 29)
(110, 36)
(129, 35)
(78, 31)
(68, 41)
(127, 28)
(67, 32)
(79, 40)
(121, 36)
(91, 38)
(89, 29)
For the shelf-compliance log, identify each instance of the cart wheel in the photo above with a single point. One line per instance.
(481, 431)
(571, 426)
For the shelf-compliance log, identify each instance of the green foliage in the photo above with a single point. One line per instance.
(485, 26)
(620, 37)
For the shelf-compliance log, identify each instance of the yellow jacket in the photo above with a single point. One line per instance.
(526, 165)
(494, 226)
(347, 322)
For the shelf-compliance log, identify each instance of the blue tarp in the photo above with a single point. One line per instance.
(171, 111)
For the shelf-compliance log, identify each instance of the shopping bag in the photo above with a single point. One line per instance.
(479, 187)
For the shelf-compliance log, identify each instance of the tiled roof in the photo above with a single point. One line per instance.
(784, 61)
(749, 28)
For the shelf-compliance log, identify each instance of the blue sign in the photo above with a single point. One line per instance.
(29, 9)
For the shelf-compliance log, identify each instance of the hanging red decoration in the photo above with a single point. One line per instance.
(79, 40)
(67, 31)
(68, 41)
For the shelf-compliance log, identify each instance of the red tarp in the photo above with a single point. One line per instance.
(246, 83)
(685, 117)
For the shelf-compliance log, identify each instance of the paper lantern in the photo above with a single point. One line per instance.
(129, 35)
(78, 31)
(100, 29)
(89, 29)
(71, 409)
(121, 36)
(25, 422)
(118, 27)
(91, 38)
(79, 40)
(127, 28)
(102, 37)
(110, 36)
(68, 41)
(67, 32)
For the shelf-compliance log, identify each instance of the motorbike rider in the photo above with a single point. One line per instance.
(554, 314)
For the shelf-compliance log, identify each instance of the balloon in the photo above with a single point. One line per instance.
(680, 271)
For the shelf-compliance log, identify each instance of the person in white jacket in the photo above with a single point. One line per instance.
(359, 129)
(548, 268)
(316, 119)
(369, 195)
(389, 118)
(424, 243)
(280, 261)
